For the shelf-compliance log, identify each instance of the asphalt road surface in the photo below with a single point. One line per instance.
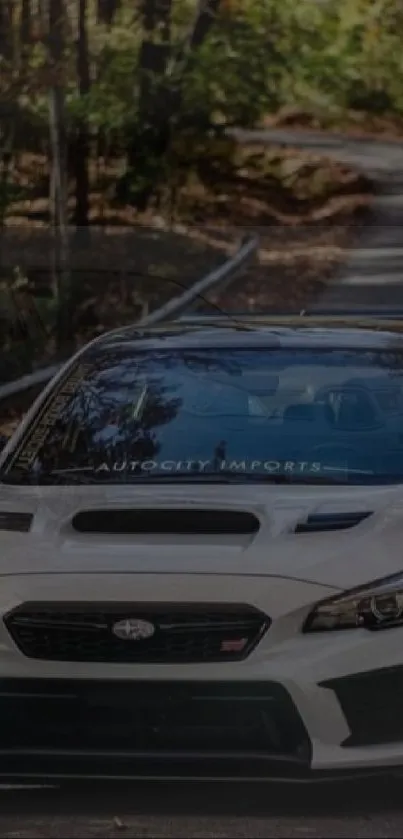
(372, 275)
(206, 811)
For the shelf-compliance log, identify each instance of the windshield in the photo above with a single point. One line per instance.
(162, 415)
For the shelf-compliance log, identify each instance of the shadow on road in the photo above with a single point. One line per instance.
(236, 800)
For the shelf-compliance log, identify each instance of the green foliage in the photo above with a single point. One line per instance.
(259, 56)
(351, 56)
(237, 74)
(327, 56)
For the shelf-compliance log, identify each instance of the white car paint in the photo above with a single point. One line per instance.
(278, 571)
(282, 573)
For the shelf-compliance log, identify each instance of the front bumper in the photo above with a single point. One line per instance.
(287, 710)
(78, 728)
(149, 729)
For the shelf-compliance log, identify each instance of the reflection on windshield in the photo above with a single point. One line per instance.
(324, 415)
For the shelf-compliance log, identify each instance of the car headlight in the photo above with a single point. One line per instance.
(373, 607)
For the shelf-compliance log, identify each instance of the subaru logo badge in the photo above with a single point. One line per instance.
(133, 630)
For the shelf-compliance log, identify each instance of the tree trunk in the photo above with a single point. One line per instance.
(106, 11)
(150, 136)
(25, 23)
(25, 34)
(59, 186)
(82, 141)
(160, 99)
(6, 30)
(205, 18)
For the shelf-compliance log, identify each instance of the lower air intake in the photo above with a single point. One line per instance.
(372, 704)
(157, 728)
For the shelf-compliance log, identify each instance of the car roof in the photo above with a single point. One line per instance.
(256, 331)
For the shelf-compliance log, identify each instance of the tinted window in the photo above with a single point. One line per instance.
(122, 416)
(390, 400)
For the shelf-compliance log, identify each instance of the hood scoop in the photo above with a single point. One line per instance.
(328, 522)
(178, 522)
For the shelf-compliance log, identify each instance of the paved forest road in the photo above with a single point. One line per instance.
(373, 274)
(366, 810)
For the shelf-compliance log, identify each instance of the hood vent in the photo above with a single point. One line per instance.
(327, 522)
(166, 521)
(18, 522)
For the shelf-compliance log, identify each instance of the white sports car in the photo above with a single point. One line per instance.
(201, 555)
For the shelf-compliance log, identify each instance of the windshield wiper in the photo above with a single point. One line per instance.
(227, 476)
(219, 476)
(50, 477)
(66, 477)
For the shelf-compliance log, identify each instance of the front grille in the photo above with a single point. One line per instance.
(182, 633)
(175, 720)
(372, 703)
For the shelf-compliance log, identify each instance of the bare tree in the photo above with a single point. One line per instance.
(82, 139)
(59, 178)
(6, 30)
(25, 23)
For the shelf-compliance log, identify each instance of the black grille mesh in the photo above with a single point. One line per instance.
(182, 634)
(179, 720)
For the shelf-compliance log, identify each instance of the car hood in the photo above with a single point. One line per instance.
(295, 534)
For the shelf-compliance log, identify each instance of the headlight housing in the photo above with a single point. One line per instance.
(373, 607)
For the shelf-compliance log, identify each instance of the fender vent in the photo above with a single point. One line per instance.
(166, 521)
(327, 522)
(19, 522)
